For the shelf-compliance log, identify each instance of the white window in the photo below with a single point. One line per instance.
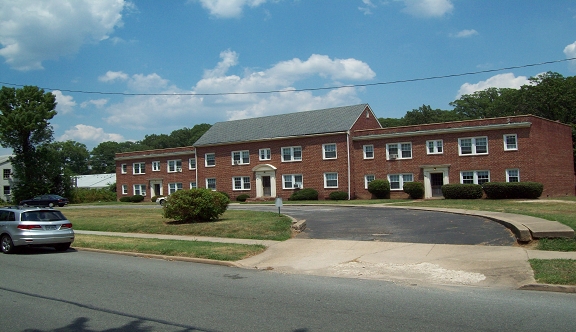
(367, 179)
(398, 151)
(210, 159)
(265, 154)
(510, 142)
(124, 189)
(513, 175)
(193, 185)
(330, 180)
(474, 177)
(174, 166)
(434, 147)
(211, 183)
(192, 163)
(241, 182)
(174, 187)
(292, 153)
(155, 166)
(368, 151)
(329, 151)
(473, 145)
(124, 169)
(140, 189)
(240, 157)
(138, 168)
(292, 181)
(397, 180)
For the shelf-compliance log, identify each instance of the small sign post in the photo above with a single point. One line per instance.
(278, 203)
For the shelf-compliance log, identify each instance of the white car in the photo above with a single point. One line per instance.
(161, 200)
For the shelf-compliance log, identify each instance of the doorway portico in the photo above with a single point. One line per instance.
(265, 175)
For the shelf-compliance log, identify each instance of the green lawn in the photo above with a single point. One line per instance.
(554, 271)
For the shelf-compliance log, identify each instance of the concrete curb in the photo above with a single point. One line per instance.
(549, 288)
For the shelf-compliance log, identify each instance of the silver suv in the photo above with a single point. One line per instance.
(27, 226)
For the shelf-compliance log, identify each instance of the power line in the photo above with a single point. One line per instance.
(305, 89)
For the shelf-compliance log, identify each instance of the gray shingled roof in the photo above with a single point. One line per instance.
(330, 120)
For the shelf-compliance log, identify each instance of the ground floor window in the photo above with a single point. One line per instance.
(292, 181)
(6, 190)
(174, 187)
(513, 175)
(330, 180)
(474, 177)
(397, 180)
(241, 182)
(367, 179)
(211, 183)
(124, 189)
(140, 189)
(193, 185)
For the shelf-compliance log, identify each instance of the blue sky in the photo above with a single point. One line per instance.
(169, 56)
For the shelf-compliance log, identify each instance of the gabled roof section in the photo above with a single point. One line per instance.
(329, 120)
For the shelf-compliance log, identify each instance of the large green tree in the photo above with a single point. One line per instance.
(24, 126)
(102, 156)
(73, 156)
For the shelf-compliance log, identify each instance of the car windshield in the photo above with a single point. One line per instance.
(42, 216)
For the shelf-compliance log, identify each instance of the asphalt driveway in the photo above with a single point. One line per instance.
(392, 225)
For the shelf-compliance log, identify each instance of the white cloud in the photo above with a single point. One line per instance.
(465, 33)
(84, 133)
(367, 8)
(428, 8)
(228, 8)
(112, 76)
(99, 103)
(65, 103)
(507, 80)
(570, 52)
(32, 31)
(138, 83)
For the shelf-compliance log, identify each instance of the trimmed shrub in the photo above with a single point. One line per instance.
(85, 195)
(195, 205)
(502, 190)
(126, 199)
(306, 194)
(462, 191)
(242, 197)
(338, 196)
(379, 188)
(225, 194)
(136, 198)
(154, 198)
(414, 189)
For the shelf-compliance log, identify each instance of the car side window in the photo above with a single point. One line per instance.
(11, 216)
(3, 215)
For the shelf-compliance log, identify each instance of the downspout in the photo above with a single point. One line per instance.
(348, 152)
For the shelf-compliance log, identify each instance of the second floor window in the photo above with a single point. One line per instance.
(155, 166)
(210, 159)
(174, 166)
(265, 154)
(329, 151)
(138, 168)
(293, 153)
(473, 145)
(368, 151)
(240, 157)
(123, 169)
(399, 151)
(7, 173)
(192, 163)
(510, 142)
(434, 147)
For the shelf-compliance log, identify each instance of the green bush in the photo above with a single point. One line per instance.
(414, 189)
(306, 194)
(462, 191)
(225, 194)
(85, 195)
(501, 190)
(338, 196)
(242, 197)
(194, 205)
(137, 198)
(126, 199)
(154, 198)
(379, 188)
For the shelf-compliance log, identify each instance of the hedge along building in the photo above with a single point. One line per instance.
(344, 148)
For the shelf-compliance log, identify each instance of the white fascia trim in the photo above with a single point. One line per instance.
(446, 131)
(157, 155)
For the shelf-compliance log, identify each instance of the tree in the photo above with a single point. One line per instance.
(425, 114)
(25, 127)
(489, 103)
(73, 156)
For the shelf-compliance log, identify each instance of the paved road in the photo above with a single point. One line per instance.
(392, 225)
(83, 291)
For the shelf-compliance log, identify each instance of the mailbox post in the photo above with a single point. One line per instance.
(278, 203)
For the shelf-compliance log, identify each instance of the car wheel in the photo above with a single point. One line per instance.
(163, 202)
(7, 244)
(62, 246)
(51, 204)
(61, 205)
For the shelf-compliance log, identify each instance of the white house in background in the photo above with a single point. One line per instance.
(7, 181)
(94, 181)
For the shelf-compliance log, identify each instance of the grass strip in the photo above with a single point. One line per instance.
(180, 248)
(554, 271)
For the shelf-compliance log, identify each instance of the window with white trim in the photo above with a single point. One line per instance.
(174, 187)
(368, 151)
(123, 169)
(140, 189)
(329, 151)
(513, 175)
(292, 181)
(510, 142)
(138, 168)
(474, 177)
(330, 180)
(399, 151)
(397, 180)
(174, 166)
(240, 157)
(292, 153)
(367, 179)
(241, 182)
(6, 173)
(435, 147)
(265, 154)
(211, 183)
(193, 185)
(155, 166)
(124, 189)
(210, 159)
(473, 145)
(192, 163)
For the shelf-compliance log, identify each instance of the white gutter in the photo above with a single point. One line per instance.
(348, 152)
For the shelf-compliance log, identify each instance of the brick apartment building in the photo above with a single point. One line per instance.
(344, 148)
